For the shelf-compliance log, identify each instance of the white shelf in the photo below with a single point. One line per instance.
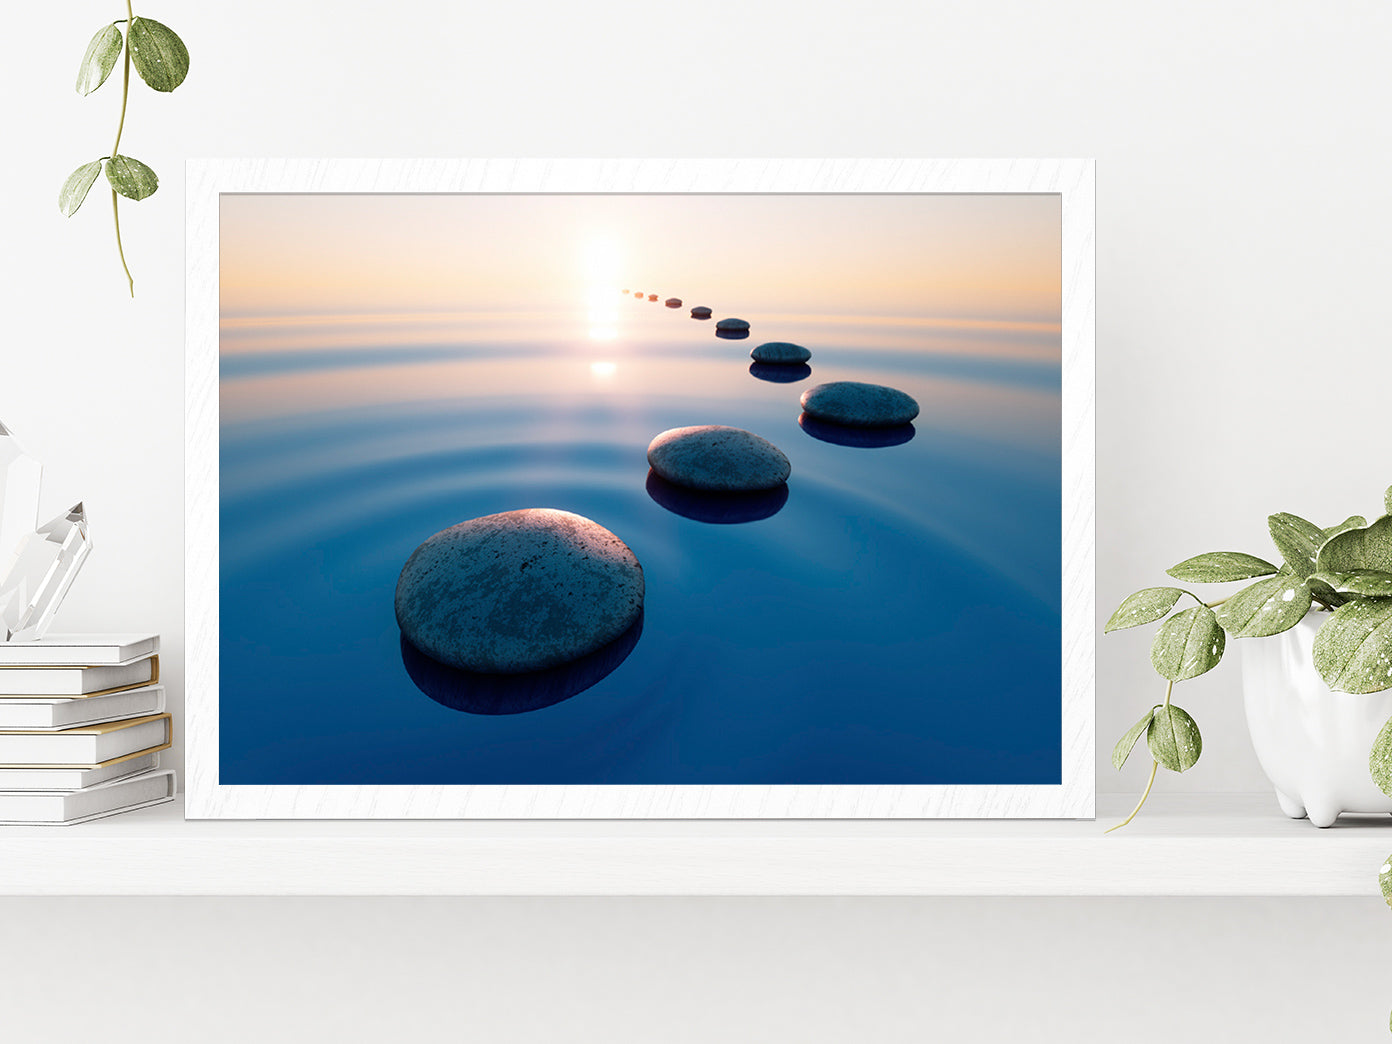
(1198, 845)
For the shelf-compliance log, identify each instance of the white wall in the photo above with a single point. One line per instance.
(1243, 356)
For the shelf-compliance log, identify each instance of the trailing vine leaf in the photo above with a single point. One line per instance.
(1143, 607)
(1353, 650)
(1369, 583)
(1122, 750)
(1218, 567)
(1352, 522)
(1359, 548)
(1173, 738)
(160, 57)
(1298, 541)
(75, 189)
(130, 177)
(1385, 878)
(1188, 644)
(99, 60)
(1265, 608)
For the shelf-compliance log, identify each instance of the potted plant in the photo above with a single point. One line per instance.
(1327, 611)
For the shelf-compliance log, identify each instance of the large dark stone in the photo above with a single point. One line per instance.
(520, 591)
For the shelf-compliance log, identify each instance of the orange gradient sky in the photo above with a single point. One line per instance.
(981, 258)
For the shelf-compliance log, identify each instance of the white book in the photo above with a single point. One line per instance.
(77, 681)
(52, 714)
(89, 745)
(79, 650)
(57, 777)
(66, 807)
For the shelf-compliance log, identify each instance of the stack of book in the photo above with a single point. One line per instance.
(82, 724)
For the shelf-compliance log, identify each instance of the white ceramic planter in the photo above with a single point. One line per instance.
(1312, 742)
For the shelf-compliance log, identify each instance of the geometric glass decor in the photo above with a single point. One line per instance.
(42, 571)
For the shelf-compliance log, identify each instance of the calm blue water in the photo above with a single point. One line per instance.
(896, 620)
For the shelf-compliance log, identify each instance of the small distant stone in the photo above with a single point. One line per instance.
(623, 291)
(780, 353)
(652, 297)
(859, 405)
(731, 325)
(700, 312)
(718, 458)
(673, 302)
(637, 293)
(517, 592)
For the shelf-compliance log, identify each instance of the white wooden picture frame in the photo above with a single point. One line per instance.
(1072, 181)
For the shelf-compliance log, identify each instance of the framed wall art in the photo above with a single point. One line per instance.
(662, 489)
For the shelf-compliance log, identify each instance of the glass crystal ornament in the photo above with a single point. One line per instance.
(20, 475)
(41, 573)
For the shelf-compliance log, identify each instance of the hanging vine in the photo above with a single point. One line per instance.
(162, 61)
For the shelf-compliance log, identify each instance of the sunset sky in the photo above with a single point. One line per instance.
(965, 257)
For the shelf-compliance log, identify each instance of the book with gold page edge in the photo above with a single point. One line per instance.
(78, 681)
(87, 746)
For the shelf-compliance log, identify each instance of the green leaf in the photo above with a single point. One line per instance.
(1298, 541)
(1122, 750)
(1380, 765)
(130, 177)
(1359, 548)
(1188, 644)
(100, 59)
(1385, 871)
(1352, 522)
(160, 57)
(1353, 650)
(1320, 588)
(1143, 607)
(75, 189)
(1173, 738)
(1387, 500)
(1368, 583)
(1218, 567)
(1267, 607)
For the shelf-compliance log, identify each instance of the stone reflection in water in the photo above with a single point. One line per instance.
(477, 693)
(716, 508)
(780, 373)
(862, 438)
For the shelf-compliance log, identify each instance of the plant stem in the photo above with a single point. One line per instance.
(1154, 767)
(120, 127)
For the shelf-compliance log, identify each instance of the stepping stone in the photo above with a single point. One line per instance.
(673, 302)
(718, 458)
(859, 405)
(732, 325)
(652, 297)
(519, 591)
(700, 312)
(780, 353)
